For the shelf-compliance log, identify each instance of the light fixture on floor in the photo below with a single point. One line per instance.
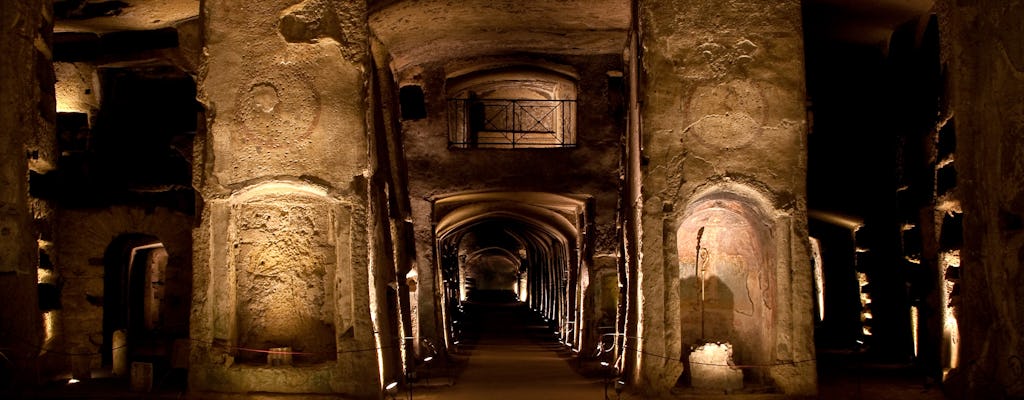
(391, 390)
(607, 376)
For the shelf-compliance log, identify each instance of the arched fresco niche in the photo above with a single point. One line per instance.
(285, 259)
(726, 280)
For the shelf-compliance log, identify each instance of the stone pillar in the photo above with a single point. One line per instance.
(982, 49)
(281, 255)
(722, 105)
(27, 113)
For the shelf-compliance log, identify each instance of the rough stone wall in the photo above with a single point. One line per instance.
(282, 177)
(722, 106)
(981, 46)
(591, 168)
(83, 238)
(24, 41)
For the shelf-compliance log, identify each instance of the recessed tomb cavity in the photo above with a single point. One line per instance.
(727, 292)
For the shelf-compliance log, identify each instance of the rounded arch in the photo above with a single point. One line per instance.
(727, 255)
(536, 81)
(534, 237)
(135, 270)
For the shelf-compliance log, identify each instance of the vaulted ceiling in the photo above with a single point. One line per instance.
(480, 27)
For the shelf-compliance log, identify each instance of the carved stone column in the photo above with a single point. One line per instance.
(724, 240)
(281, 256)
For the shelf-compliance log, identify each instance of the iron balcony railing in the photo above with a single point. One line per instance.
(511, 123)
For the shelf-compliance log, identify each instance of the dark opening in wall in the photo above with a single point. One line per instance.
(912, 245)
(43, 186)
(945, 179)
(952, 235)
(44, 260)
(49, 297)
(947, 140)
(412, 103)
(143, 133)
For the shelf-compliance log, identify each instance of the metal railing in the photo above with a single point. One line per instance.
(511, 123)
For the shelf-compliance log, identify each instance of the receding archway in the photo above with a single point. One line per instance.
(138, 324)
(526, 244)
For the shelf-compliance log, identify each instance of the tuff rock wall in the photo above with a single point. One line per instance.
(27, 100)
(722, 124)
(281, 257)
(985, 63)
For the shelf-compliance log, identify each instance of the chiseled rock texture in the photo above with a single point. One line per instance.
(723, 108)
(280, 257)
(26, 98)
(985, 58)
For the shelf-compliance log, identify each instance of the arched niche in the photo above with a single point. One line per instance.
(284, 259)
(727, 285)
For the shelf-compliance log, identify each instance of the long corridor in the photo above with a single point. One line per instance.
(507, 352)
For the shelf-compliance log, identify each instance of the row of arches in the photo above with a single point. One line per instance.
(514, 246)
(534, 248)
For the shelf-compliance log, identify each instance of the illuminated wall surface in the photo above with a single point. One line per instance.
(284, 263)
(301, 196)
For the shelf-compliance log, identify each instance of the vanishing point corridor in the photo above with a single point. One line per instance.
(508, 352)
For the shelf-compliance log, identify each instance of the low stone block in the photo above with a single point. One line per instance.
(711, 367)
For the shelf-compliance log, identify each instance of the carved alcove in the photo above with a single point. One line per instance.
(726, 250)
(276, 283)
(284, 263)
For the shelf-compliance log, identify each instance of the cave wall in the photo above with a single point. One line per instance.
(982, 53)
(282, 247)
(26, 85)
(84, 237)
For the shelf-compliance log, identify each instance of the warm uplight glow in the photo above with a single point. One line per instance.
(949, 205)
(849, 222)
(50, 320)
(865, 300)
(375, 320)
(46, 276)
(391, 389)
(712, 367)
(819, 277)
(73, 381)
(950, 325)
(913, 327)
(283, 187)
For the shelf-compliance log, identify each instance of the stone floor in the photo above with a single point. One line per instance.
(506, 353)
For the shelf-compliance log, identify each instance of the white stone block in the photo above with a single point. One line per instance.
(711, 367)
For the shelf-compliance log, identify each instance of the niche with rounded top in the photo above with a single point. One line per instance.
(726, 279)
